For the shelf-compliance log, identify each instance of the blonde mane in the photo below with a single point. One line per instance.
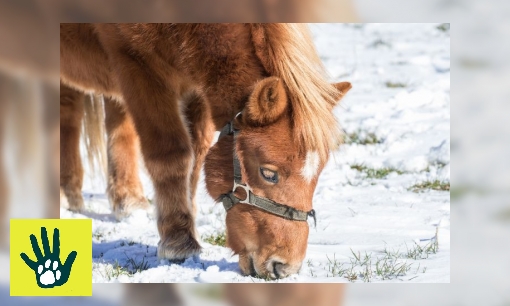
(287, 51)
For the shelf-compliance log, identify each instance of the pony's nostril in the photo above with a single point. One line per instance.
(253, 272)
(278, 269)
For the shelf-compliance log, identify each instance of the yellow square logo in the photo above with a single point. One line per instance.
(51, 257)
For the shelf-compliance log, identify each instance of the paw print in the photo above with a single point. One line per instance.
(49, 271)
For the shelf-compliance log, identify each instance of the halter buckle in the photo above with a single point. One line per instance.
(247, 189)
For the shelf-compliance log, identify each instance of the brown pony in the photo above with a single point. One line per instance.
(179, 82)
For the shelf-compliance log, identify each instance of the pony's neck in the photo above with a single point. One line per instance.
(232, 68)
(230, 97)
(228, 114)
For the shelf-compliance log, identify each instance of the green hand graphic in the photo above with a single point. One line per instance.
(49, 271)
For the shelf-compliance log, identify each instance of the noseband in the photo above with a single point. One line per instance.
(229, 199)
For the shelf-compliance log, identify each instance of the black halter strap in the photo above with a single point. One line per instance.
(229, 199)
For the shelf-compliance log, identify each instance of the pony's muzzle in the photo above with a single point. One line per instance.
(278, 269)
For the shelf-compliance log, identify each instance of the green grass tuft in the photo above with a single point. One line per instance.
(434, 185)
(422, 252)
(375, 173)
(362, 138)
(216, 239)
(113, 271)
(395, 85)
(385, 265)
(136, 266)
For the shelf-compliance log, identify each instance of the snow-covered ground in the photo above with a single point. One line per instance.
(397, 118)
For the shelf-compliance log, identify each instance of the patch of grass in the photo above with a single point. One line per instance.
(137, 266)
(362, 138)
(438, 164)
(422, 252)
(434, 185)
(98, 235)
(216, 239)
(335, 267)
(395, 85)
(385, 268)
(375, 173)
(361, 267)
(443, 27)
(309, 263)
(351, 275)
(114, 271)
(386, 265)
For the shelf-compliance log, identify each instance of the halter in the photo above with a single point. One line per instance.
(229, 199)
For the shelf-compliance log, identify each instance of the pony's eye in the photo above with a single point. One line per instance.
(269, 175)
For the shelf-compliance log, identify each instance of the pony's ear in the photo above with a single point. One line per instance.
(267, 102)
(342, 88)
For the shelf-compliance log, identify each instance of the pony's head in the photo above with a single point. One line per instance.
(276, 167)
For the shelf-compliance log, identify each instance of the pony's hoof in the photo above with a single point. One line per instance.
(76, 209)
(72, 203)
(177, 249)
(127, 206)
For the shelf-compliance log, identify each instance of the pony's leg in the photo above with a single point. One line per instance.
(124, 187)
(202, 132)
(168, 155)
(71, 169)
(151, 88)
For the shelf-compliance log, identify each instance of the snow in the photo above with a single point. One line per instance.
(401, 97)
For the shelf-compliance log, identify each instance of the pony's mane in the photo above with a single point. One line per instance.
(287, 51)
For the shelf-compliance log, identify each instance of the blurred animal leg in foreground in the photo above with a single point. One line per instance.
(51, 135)
(151, 294)
(4, 189)
(284, 294)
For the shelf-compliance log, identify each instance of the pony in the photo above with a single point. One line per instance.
(262, 85)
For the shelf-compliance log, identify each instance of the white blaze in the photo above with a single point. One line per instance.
(311, 166)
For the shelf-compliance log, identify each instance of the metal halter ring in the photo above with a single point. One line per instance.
(246, 189)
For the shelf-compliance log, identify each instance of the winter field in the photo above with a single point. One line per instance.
(383, 200)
